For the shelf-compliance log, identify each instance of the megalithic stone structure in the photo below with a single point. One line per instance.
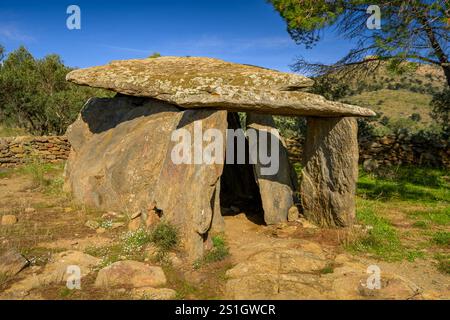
(121, 147)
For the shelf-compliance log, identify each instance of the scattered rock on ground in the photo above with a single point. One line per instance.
(134, 224)
(12, 262)
(9, 219)
(100, 230)
(130, 274)
(91, 224)
(135, 215)
(149, 293)
(306, 224)
(56, 271)
(30, 210)
(293, 214)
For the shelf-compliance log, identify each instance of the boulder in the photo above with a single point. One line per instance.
(192, 82)
(130, 274)
(122, 160)
(8, 220)
(330, 171)
(12, 262)
(56, 270)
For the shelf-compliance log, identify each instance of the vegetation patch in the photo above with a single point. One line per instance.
(218, 252)
(405, 183)
(443, 262)
(165, 236)
(381, 239)
(441, 238)
(440, 216)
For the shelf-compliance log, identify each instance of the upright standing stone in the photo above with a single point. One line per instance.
(187, 193)
(278, 189)
(330, 171)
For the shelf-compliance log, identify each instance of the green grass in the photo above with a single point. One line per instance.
(420, 224)
(396, 104)
(420, 194)
(443, 262)
(108, 254)
(46, 176)
(441, 238)
(218, 252)
(6, 131)
(405, 183)
(135, 241)
(381, 239)
(329, 268)
(165, 236)
(131, 244)
(439, 216)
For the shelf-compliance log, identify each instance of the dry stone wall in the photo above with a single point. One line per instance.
(391, 150)
(18, 150)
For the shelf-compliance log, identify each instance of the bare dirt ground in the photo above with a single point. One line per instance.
(50, 223)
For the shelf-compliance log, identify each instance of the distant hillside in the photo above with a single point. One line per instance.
(398, 96)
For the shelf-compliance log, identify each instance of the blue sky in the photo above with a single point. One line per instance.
(244, 31)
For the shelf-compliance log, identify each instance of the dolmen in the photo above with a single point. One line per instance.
(190, 138)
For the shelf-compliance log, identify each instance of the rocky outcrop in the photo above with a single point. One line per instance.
(289, 270)
(11, 263)
(192, 82)
(330, 171)
(57, 271)
(18, 150)
(130, 274)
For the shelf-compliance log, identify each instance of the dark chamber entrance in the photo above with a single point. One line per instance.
(238, 187)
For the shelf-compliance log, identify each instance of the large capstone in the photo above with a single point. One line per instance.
(192, 82)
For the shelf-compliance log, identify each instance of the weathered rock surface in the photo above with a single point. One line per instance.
(291, 271)
(56, 271)
(130, 274)
(192, 82)
(187, 193)
(330, 171)
(122, 160)
(11, 263)
(277, 189)
(154, 293)
(8, 220)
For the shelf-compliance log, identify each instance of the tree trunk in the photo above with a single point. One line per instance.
(330, 171)
(447, 73)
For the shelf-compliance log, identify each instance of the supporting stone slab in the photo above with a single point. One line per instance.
(330, 171)
(278, 189)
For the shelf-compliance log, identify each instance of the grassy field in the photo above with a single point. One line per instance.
(407, 210)
(395, 103)
(6, 131)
